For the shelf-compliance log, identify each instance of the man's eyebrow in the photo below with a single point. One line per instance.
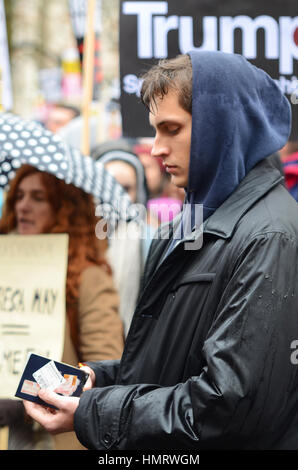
(165, 121)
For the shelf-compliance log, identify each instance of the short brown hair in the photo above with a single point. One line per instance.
(169, 74)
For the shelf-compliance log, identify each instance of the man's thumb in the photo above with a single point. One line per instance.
(50, 397)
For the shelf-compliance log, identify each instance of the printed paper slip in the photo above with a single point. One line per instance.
(49, 376)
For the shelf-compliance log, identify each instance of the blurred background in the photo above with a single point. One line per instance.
(42, 59)
(45, 45)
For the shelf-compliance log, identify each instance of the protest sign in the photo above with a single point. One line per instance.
(32, 302)
(266, 33)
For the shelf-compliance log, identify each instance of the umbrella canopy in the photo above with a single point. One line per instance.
(27, 142)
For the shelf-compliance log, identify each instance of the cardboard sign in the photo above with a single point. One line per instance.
(266, 33)
(32, 302)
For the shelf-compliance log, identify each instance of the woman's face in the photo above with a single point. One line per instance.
(34, 213)
(125, 175)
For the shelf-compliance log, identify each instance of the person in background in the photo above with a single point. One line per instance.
(288, 149)
(125, 144)
(126, 253)
(289, 162)
(129, 172)
(290, 168)
(59, 115)
(37, 203)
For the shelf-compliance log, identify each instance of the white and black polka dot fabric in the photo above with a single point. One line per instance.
(23, 141)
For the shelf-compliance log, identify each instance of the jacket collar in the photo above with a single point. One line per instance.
(261, 179)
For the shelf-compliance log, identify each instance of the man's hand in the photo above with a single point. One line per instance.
(91, 379)
(54, 421)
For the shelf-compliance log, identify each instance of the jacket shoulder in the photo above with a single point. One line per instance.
(276, 211)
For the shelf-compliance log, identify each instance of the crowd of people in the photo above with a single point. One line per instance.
(196, 363)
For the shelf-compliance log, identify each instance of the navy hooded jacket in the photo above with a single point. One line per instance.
(206, 363)
(239, 117)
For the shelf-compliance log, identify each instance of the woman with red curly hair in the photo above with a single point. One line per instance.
(38, 202)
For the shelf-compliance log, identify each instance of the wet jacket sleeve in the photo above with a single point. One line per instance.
(241, 390)
(105, 371)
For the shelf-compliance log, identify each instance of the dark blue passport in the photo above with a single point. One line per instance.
(72, 379)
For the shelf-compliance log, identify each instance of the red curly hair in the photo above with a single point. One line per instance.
(75, 215)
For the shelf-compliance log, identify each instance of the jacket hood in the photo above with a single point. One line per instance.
(239, 117)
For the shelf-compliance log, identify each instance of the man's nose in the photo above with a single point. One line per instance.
(159, 148)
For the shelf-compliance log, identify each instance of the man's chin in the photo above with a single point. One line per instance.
(179, 182)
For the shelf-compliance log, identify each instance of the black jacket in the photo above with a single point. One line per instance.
(207, 362)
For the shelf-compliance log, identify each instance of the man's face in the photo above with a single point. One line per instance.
(173, 136)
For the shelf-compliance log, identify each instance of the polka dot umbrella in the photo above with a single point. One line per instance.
(27, 142)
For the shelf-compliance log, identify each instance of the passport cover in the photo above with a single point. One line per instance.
(75, 380)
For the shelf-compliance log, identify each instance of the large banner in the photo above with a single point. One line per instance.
(265, 32)
(32, 302)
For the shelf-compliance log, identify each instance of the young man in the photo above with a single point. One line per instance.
(207, 362)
